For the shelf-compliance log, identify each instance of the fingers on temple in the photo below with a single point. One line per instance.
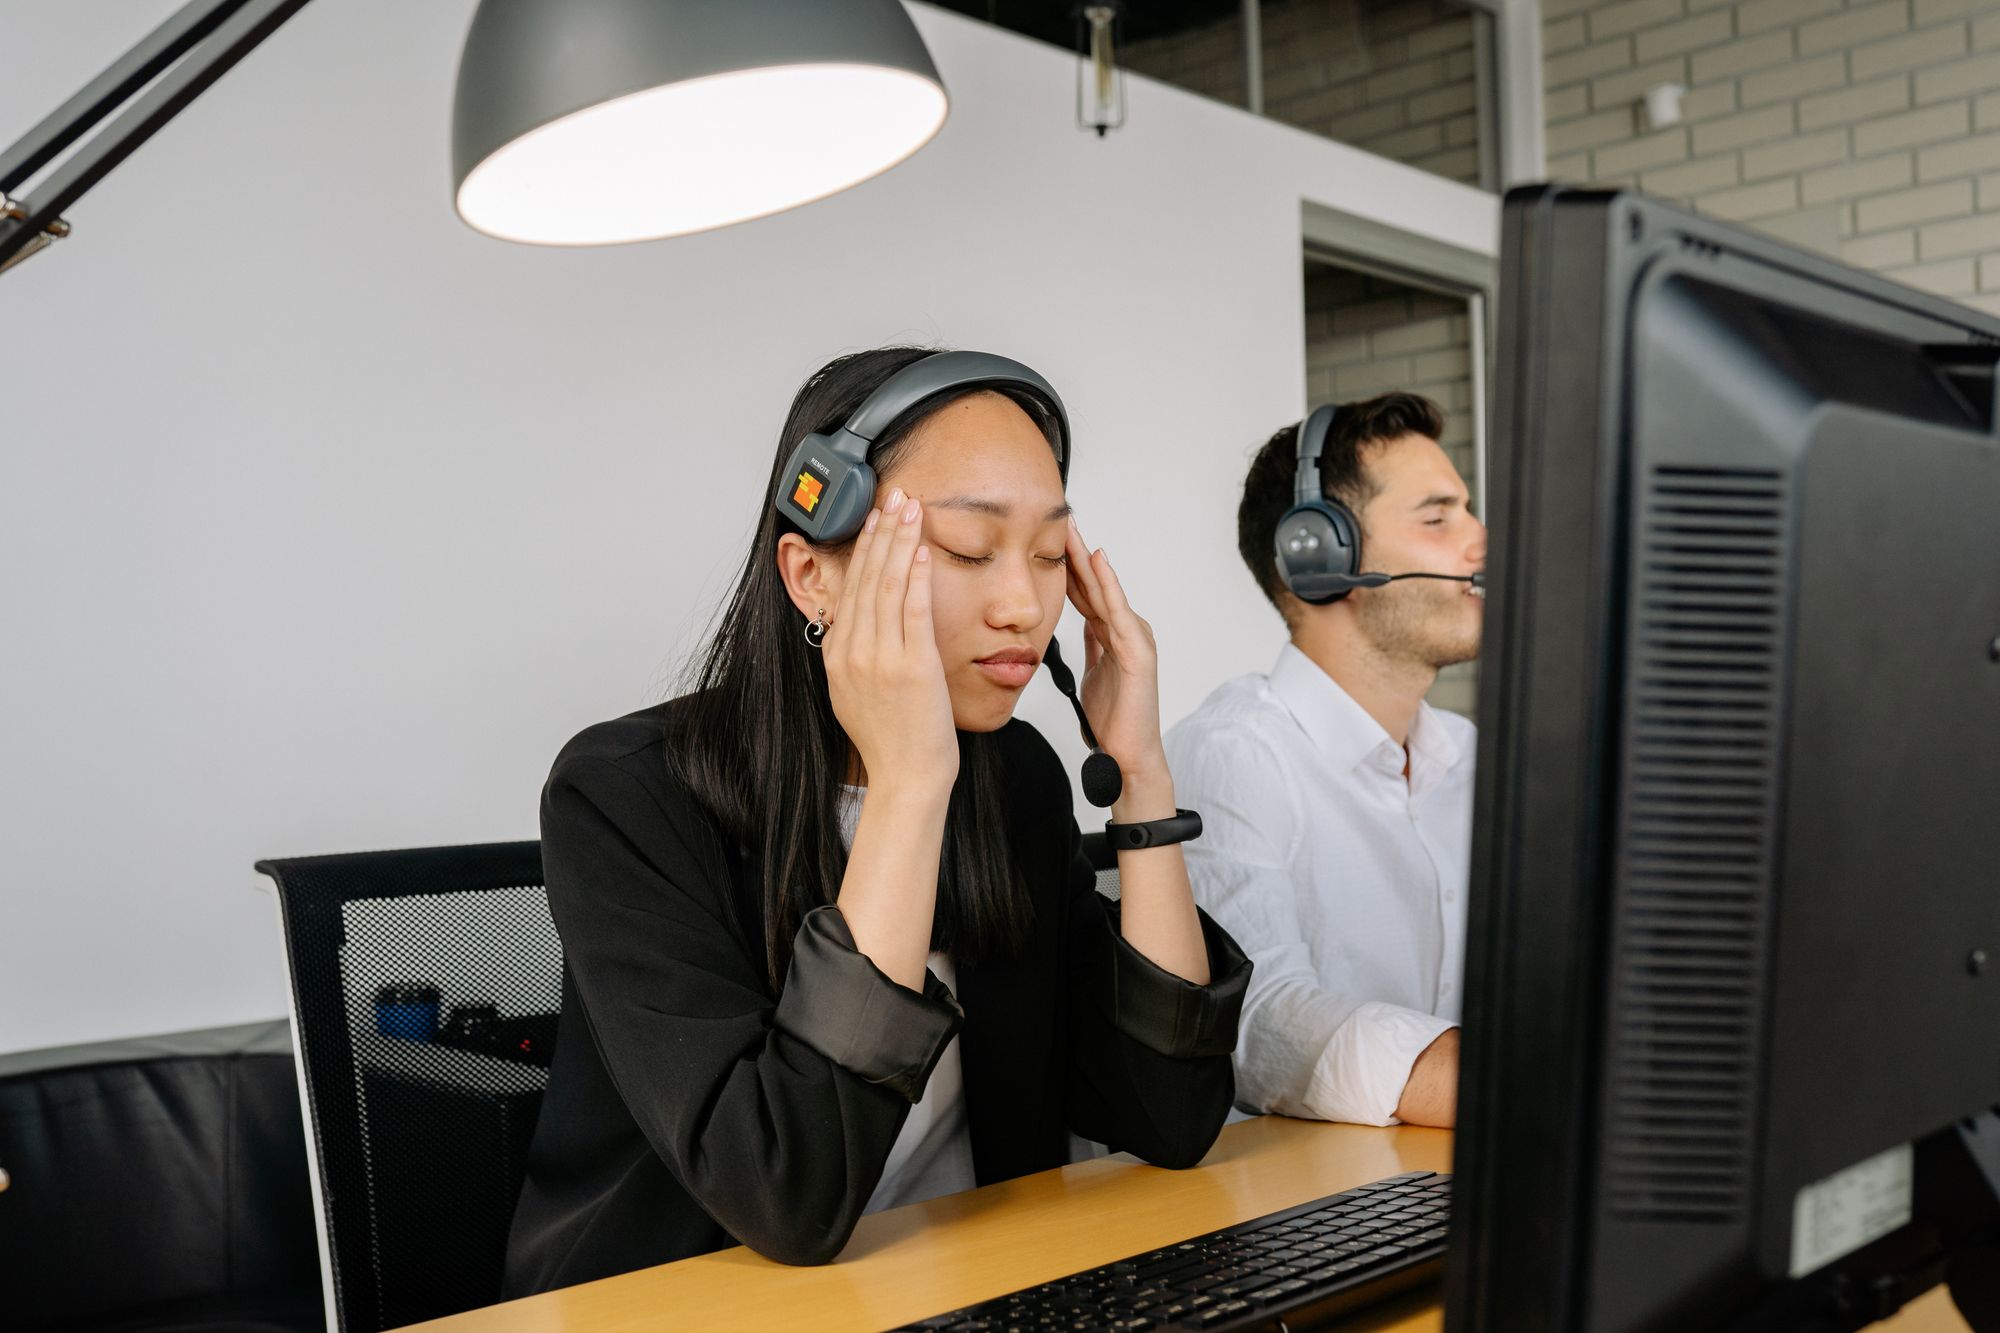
(881, 553)
(893, 582)
(857, 607)
(1083, 578)
(1115, 600)
(917, 605)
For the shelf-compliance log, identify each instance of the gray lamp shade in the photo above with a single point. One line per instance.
(590, 122)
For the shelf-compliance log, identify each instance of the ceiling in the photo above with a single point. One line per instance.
(1056, 20)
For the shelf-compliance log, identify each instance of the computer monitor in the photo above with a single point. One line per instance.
(1733, 974)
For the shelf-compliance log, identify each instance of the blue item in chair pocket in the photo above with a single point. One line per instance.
(407, 1010)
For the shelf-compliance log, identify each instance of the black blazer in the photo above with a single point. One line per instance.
(690, 1108)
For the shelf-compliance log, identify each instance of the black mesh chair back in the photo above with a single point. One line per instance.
(425, 988)
(1104, 860)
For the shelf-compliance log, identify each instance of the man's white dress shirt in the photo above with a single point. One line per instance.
(1343, 881)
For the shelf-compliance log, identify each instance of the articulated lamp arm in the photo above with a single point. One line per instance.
(179, 60)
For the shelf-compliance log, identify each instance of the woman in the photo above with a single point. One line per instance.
(829, 941)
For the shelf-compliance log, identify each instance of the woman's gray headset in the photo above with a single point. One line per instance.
(1318, 541)
(828, 487)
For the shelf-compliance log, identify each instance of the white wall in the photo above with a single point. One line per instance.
(325, 521)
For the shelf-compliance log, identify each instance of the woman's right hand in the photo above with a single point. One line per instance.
(882, 663)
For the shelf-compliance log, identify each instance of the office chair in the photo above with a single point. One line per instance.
(1104, 860)
(425, 985)
(157, 1183)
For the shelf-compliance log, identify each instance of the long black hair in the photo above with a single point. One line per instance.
(764, 753)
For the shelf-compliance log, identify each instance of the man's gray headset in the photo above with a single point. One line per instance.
(1318, 541)
(828, 487)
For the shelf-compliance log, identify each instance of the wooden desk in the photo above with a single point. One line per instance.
(911, 1263)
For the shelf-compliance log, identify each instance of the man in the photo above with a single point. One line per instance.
(1337, 803)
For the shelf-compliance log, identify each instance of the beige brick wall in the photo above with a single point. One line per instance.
(1865, 129)
(1392, 76)
(1365, 336)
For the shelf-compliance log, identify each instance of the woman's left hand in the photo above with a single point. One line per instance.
(1121, 666)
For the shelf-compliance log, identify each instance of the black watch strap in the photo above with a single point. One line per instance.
(1184, 826)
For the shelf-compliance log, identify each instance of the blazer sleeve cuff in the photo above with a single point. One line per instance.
(1167, 1013)
(839, 1003)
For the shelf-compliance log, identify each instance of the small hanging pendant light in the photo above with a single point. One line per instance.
(1100, 84)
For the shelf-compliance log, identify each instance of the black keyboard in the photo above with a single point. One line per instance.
(1304, 1264)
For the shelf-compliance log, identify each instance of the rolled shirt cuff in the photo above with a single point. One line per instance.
(1167, 1013)
(839, 1003)
(1366, 1064)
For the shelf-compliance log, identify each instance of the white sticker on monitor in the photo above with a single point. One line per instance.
(1840, 1214)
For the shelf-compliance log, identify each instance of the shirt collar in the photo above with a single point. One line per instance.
(1338, 727)
(1433, 753)
(1346, 733)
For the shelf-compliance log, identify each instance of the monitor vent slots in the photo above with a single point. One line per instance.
(1694, 860)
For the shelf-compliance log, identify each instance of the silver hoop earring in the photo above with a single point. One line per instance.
(816, 631)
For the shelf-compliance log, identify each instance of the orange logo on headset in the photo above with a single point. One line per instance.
(807, 495)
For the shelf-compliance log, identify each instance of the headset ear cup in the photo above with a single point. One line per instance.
(1350, 534)
(825, 492)
(848, 503)
(1293, 544)
(1317, 543)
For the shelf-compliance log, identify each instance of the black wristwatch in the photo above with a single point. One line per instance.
(1184, 826)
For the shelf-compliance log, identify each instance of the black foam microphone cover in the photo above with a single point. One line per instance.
(1103, 784)
(1102, 781)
